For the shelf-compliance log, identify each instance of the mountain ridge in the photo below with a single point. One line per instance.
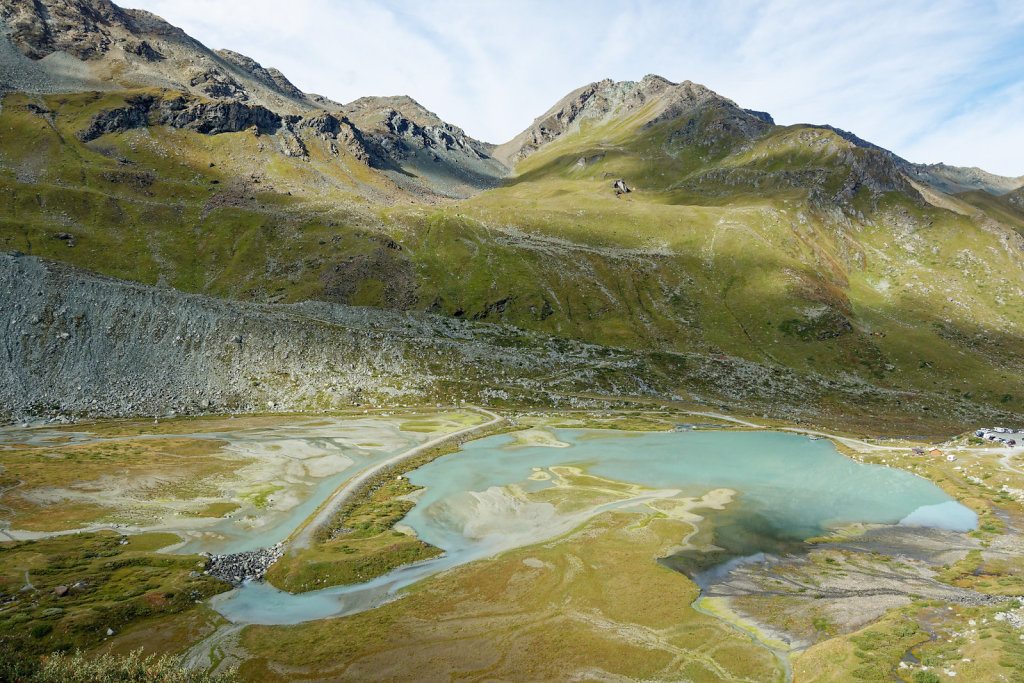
(125, 48)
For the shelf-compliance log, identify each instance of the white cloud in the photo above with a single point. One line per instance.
(936, 80)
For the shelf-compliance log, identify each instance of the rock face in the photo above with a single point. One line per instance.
(135, 115)
(80, 28)
(270, 77)
(215, 83)
(209, 118)
(1017, 198)
(217, 117)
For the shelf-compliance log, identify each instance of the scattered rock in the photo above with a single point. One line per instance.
(237, 568)
(60, 591)
(65, 237)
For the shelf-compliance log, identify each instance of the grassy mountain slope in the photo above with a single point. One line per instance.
(796, 249)
(792, 246)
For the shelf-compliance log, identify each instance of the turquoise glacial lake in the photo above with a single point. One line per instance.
(788, 488)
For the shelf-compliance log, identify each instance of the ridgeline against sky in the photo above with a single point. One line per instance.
(930, 81)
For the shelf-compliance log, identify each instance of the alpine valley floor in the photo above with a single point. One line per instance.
(600, 572)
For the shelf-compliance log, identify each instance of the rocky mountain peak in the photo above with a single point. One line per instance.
(76, 45)
(658, 98)
(79, 27)
(374, 112)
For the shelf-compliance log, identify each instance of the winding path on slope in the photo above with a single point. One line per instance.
(346, 492)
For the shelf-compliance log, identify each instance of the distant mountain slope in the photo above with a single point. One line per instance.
(954, 179)
(688, 141)
(942, 177)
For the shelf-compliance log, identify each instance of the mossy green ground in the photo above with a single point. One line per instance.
(367, 547)
(967, 641)
(84, 471)
(110, 584)
(591, 602)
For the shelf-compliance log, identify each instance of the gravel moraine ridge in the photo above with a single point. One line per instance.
(74, 343)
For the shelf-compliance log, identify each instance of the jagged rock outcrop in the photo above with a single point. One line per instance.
(325, 124)
(143, 49)
(549, 125)
(339, 128)
(873, 170)
(209, 118)
(217, 117)
(1016, 198)
(283, 84)
(215, 83)
(134, 115)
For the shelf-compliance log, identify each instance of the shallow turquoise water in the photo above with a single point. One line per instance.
(801, 486)
(232, 535)
(790, 488)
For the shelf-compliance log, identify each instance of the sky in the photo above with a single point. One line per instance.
(932, 81)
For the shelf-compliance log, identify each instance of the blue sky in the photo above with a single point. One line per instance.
(932, 81)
